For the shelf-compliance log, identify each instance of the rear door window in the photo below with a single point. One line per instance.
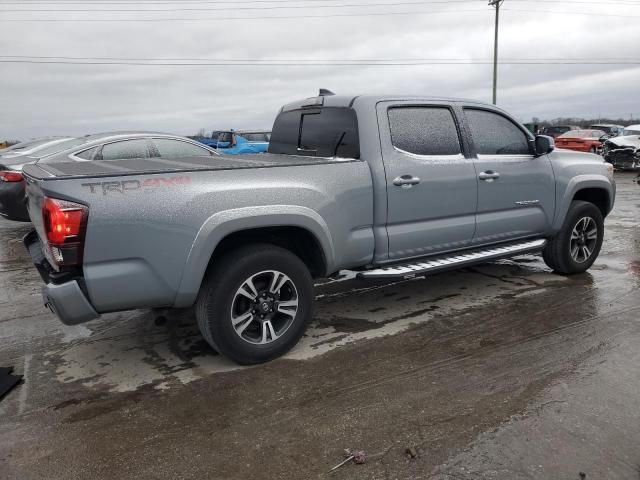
(424, 130)
(169, 148)
(125, 150)
(494, 134)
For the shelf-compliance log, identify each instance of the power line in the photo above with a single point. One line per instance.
(315, 64)
(278, 7)
(272, 7)
(328, 60)
(588, 14)
(201, 19)
(213, 2)
(279, 17)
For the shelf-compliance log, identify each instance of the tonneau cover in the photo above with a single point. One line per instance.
(115, 168)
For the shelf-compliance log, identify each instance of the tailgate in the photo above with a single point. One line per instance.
(35, 198)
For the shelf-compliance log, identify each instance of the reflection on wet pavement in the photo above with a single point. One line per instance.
(503, 370)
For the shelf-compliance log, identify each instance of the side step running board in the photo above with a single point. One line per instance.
(454, 261)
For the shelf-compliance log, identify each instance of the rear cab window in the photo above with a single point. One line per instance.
(495, 134)
(320, 132)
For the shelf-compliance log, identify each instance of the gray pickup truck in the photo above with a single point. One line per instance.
(391, 187)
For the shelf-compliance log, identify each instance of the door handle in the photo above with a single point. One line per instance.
(489, 176)
(406, 181)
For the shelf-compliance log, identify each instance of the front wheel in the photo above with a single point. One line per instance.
(255, 304)
(578, 243)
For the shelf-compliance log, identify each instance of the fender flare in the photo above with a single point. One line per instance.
(221, 224)
(577, 183)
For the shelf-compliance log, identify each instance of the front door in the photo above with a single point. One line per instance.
(431, 186)
(516, 190)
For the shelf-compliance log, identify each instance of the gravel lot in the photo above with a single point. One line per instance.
(504, 370)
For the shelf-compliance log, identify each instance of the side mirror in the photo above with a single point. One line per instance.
(544, 144)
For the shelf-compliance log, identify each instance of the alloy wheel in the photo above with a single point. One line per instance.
(584, 238)
(264, 307)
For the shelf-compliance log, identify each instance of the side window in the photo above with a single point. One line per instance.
(87, 154)
(494, 134)
(424, 130)
(168, 148)
(126, 149)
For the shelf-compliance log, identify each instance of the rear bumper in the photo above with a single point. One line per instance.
(61, 293)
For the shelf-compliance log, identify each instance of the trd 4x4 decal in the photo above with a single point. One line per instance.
(125, 186)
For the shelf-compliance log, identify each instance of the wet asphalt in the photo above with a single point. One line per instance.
(503, 370)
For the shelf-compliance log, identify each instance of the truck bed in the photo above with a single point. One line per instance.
(111, 168)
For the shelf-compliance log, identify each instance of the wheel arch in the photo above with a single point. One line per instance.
(298, 229)
(595, 189)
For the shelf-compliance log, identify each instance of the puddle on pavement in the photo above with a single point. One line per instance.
(124, 352)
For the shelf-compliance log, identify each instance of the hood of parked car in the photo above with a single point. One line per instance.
(628, 141)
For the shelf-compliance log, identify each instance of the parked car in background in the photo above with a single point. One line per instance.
(7, 143)
(12, 160)
(582, 140)
(234, 143)
(128, 146)
(557, 130)
(210, 141)
(623, 152)
(96, 148)
(348, 183)
(608, 128)
(30, 146)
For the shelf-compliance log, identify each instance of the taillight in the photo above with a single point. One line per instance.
(65, 224)
(9, 176)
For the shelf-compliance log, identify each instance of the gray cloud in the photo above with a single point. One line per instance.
(78, 99)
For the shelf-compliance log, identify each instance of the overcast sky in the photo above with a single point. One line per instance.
(54, 99)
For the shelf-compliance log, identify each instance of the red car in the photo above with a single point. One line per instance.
(582, 140)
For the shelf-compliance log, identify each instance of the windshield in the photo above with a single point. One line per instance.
(583, 134)
(57, 147)
(630, 132)
(256, 137)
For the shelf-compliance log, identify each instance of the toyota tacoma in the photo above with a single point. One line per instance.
(388, 186)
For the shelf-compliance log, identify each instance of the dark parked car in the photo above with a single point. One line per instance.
(12, 159)
(608, 128)
(557, 130)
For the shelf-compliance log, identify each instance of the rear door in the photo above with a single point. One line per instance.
(516, 190)
(431, 185)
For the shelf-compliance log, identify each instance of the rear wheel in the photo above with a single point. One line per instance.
(578, 243)
(255, 304)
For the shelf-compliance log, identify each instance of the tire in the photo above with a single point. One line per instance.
(560, 252)
(593, 150)
(268, 325)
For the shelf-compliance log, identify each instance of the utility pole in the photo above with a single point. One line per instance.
(496, 4)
